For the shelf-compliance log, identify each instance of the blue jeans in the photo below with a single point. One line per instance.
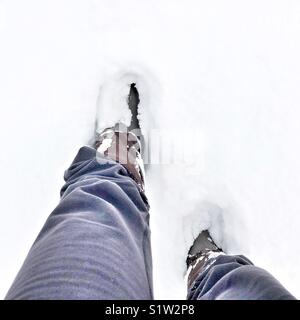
(96, 245)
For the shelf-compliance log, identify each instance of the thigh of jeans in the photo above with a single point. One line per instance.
(95, 244)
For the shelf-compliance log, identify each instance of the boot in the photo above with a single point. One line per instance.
(202, 250)
(123, 144)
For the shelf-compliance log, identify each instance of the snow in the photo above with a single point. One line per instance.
(217, 79)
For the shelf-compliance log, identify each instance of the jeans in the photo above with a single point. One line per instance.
(96, 245)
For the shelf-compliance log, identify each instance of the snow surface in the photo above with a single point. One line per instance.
(221, 77)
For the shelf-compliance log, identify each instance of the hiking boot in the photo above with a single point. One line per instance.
(202, 250)
(124, 144)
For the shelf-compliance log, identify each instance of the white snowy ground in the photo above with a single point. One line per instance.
(224, 73)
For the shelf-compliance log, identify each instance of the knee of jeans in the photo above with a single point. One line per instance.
(218, 270)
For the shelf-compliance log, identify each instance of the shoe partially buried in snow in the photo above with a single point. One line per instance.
(202, 250)
(123, 144)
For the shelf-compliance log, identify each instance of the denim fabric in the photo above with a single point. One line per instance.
(96, 245)
(236, 278)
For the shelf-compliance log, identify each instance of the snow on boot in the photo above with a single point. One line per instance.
(202, 250)
(123, 144)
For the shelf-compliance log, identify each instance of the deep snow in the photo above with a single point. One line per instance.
(221, 77)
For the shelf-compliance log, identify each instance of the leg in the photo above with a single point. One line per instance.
(96, 243)
(214, 276)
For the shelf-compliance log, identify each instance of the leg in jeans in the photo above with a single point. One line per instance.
(96, 243)
(235, 278)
